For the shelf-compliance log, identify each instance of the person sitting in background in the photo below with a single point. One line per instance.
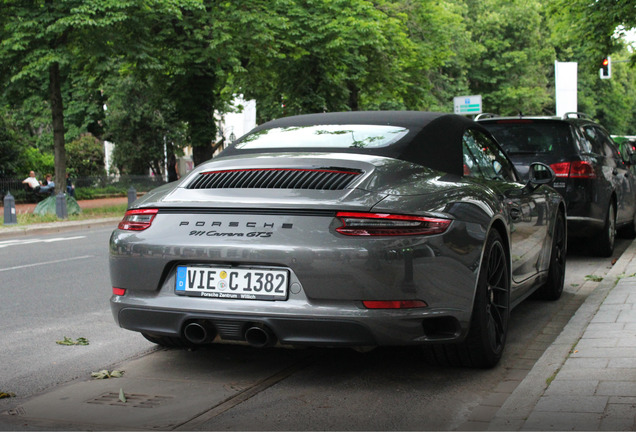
(31, 181)
(48, 186)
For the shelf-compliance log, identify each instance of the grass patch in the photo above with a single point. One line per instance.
(25, 219)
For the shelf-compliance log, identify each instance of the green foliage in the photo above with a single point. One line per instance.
(141, 121)
(513, 68)
(9, 150)
(85, 157)
(596, 25)
(87, 193)
(337, 55)
(33, 159)
(164, 68)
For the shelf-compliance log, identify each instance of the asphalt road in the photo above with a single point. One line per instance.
(56, 286)
(52, 287)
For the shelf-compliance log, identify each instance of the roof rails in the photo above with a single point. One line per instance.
(580, 115)
(486, 116)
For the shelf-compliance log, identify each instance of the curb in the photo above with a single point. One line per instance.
(521, 403)
(55, 227)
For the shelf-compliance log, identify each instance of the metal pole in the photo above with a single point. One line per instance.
(132, 195)
(10, 217)
(60, 206)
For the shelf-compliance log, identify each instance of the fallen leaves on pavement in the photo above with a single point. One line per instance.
(104, 374)
(68, 341)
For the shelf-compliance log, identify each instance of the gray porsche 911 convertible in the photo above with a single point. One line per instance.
(357, 229)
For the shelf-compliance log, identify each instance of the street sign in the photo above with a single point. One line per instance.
(467, 104)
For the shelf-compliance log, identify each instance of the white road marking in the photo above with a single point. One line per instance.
(19, 242)
(46, 263)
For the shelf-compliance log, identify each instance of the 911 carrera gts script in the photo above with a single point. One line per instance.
(262, 234)
(233, 228)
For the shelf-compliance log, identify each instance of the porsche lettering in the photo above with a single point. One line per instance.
(236, 224)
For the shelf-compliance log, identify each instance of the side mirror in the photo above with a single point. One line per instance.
(540, 174)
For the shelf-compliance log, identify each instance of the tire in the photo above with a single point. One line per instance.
(553, 288)
(167, 341)
(486, 339)
(605, 239)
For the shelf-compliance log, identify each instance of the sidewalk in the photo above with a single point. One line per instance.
(586, 380)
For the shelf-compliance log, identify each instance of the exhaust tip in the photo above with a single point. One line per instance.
(198, 332)
(260, 337)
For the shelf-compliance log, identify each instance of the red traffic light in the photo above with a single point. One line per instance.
(606, 68)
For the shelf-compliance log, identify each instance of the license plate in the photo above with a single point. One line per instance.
(232, 283)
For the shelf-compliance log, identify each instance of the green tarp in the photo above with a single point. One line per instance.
(47, 206)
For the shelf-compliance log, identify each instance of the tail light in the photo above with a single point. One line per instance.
(382, 224)
(576, 169)
(138, 219)
(119, 291)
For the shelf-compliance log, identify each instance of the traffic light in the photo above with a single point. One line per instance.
(606, 68)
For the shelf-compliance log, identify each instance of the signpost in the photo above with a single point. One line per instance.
(467, 104)
(565, 86)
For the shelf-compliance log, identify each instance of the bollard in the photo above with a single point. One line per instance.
(60, 206)
(132, 195)
(10, 217)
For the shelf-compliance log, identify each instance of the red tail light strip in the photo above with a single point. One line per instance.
(138, 219)
(382, 224)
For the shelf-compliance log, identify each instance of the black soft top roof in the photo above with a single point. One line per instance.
(434, 139)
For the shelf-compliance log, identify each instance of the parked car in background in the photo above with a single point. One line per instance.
(357, 229)
(596, 181)
(627, 148)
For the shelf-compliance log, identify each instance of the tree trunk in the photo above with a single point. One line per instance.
(354, 93)
(57, 111)
(197, 108)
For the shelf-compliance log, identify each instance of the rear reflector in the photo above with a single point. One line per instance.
(137, 220)
(382, 224)
(394, 304)
(119, 291)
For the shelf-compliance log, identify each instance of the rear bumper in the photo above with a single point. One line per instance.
(374, 328)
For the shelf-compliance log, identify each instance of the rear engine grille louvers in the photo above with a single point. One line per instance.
(276, 178)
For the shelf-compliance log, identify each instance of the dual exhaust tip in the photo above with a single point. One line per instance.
(202, 332)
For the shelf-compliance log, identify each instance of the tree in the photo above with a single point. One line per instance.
(58, 40)
(143, 124)
(9, 150)
(336, 55)
(612, 102)
(85, 156)
(442, 39)
(597, 24)
(514, 68)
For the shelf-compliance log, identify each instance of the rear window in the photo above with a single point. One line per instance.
(324, 136)
(527, 137)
